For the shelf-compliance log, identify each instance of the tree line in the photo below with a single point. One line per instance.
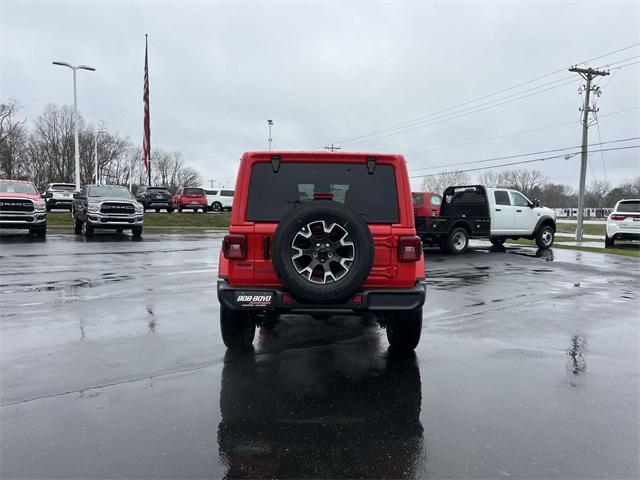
(43, 152)
(535, 185)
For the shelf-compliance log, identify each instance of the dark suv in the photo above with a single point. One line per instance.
(321, 233)
(106, 207)
(154, 197)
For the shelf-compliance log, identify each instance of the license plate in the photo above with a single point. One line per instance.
(254, 299)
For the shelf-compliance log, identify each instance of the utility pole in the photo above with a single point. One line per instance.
(332, 148)
(588, 74)
(270, 123)
(95, 155)
(211, 182)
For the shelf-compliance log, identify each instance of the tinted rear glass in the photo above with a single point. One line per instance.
(191, 191)
(628, 207)
(63, 186)
(502, 197)
(418, 199)
(466, 197)
(272, 195)
(226, 193)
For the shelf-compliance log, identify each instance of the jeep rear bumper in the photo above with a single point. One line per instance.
(371, 300)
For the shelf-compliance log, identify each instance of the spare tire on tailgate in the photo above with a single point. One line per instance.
(322, 252)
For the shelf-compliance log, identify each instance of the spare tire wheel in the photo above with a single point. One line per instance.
(322, 252)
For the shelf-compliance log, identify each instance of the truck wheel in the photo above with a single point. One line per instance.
(497, 241)
(157, 210)
(136, 232)
(40, 232)
(216, 206)
(77, 226)
(169, 209)
(322, 252)
(404, 329)
(608, 242)
(237, 327)
(544, 237)
(179, 209)
(458, 241)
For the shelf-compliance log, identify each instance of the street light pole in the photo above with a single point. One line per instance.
(75, 115)
(270, 122)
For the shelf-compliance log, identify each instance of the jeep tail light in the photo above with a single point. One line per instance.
(409, 249)
(234, 247)
(617, 218)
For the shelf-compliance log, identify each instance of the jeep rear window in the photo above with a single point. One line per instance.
(274, 194)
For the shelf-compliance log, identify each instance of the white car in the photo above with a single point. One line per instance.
(624, 222)
(59, 195)
(219, 200)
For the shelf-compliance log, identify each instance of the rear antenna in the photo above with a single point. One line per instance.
(275, 163)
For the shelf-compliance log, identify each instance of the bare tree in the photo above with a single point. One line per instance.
(524, 180)
(13, 137)
(491, 178)
(438, 182)
(598, 191)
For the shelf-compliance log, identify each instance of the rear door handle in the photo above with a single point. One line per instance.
(518, 210)
(498, 209)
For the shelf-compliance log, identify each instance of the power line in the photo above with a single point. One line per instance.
(523, 154)
(523, 162)
(459, 114)
(514, 134)
(423, 117)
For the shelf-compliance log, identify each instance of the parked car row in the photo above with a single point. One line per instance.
(186, 198)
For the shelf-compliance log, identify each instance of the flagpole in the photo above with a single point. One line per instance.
(146, 49)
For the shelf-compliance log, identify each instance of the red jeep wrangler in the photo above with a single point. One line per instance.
(321, 233)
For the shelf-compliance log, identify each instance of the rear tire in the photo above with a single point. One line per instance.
(497, 241)
(179, 209)
(170, 210)
(136, 232)
(404, 329)
(238, 328)
(544, 237)
(157, 210)
(458, 241)
(442, 243)
(608, 242)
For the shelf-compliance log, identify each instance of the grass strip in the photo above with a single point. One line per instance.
(152, 219)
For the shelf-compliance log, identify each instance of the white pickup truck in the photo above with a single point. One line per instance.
(496, 213)
(219, 200)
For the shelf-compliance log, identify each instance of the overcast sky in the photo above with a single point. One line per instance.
(325, 72)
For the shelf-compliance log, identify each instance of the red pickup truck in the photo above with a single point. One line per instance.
(321, 233)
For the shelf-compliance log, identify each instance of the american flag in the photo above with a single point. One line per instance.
(146, 140)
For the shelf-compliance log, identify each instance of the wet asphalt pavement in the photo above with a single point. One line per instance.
(112, 366)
